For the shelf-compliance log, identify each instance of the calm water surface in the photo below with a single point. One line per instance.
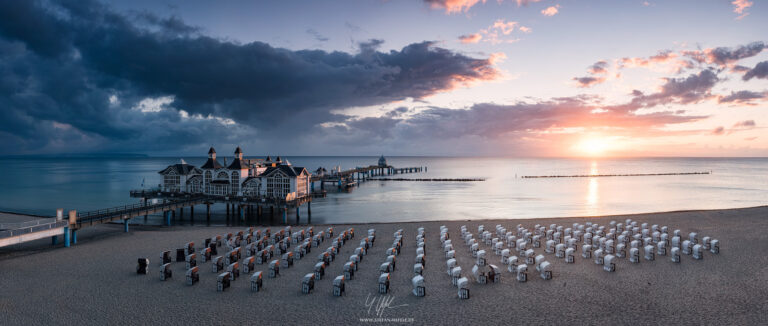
(40, 185)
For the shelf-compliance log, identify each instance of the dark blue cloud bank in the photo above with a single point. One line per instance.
(73, 75)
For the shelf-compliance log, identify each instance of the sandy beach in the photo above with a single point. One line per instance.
(94, 281)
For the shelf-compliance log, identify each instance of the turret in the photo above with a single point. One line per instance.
(238, 153)
(212, 153)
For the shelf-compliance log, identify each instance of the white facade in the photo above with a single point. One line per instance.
(241, 178)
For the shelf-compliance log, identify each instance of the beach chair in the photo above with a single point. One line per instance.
(287, 259)
(706, 242)
(418, 269)
(656, 236)
(419, 288)
(569, 255)
(498, 248)
(686, 247)
(479, 274)
(319, 270)
(385, 267)
(693, 237)
(599, 256)
(308, 283)
(714, 246)
(192, 275)
(572, 243)
(512, 263)
(234, 269)
(447, 247)
(455, 275)
(463, 285)
(522, 273)
(550, 235)
(521, 245)
(549, 246)
(661, 248)
(166, 258)
(205, 254)
(649, 252)
(538, 260)
(634, 255)
(621, 250)
(450, 263)
(190, 261)
(391, 260)
(324, 257)
(142, 266)
(274, 269)
(480, 261)
(189, 248)
(545, 270)
(505, 256)
(674, 254)
(698, 251)
(222, 281)
(217, 264)
(384, 283)
(560, 250)
(165, 272)
(609, 263)
(529, 257)
(349, 270)
(338, 286)
(586, 251)
(256, 281)
(494, 274)
(420, 259)
(248, 264)
(355, 259)
(609, 246)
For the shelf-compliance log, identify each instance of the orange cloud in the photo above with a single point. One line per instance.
(453, 6)
(470, 38)
(740, 7)
(550, 11)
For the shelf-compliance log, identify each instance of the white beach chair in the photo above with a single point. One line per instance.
(698, 251)
(609, 263)
(455, 275)
(463, 285)
(634, 255)
(714, 246)
(308, 283)
(569, 255)
(512, 263)
(256, 281)
(649, 252)
(674, 254)
(522, 273)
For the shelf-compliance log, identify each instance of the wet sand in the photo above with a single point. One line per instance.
(94, 281)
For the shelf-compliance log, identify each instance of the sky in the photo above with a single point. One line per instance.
(553, 78)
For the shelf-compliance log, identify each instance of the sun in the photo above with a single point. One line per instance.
(593, 146)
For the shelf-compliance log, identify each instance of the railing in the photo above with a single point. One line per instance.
(31, 229)
(105, 213)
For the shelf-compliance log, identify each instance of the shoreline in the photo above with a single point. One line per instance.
(94, 281)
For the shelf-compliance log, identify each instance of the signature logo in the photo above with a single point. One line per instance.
(379, 303)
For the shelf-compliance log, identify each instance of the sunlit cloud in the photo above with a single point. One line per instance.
(470, 38)
(740, 7)
(453, 6)
(551, 10)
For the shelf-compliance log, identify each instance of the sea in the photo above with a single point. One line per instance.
(40, 185)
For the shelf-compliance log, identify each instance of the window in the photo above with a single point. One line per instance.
(208, 177)
(172, 182)
(235, 182)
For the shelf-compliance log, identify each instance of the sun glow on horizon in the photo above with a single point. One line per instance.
(593, 146)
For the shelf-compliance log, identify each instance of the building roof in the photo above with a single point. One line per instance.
(212, 164)
(291, 171)
(238, 164)
(211, 151)
(181, 169)
(238, 151)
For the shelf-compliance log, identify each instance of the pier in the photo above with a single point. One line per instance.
(613, 175)
(170, 203)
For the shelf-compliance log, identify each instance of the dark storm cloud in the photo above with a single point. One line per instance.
(63, 60)
(759, 71)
